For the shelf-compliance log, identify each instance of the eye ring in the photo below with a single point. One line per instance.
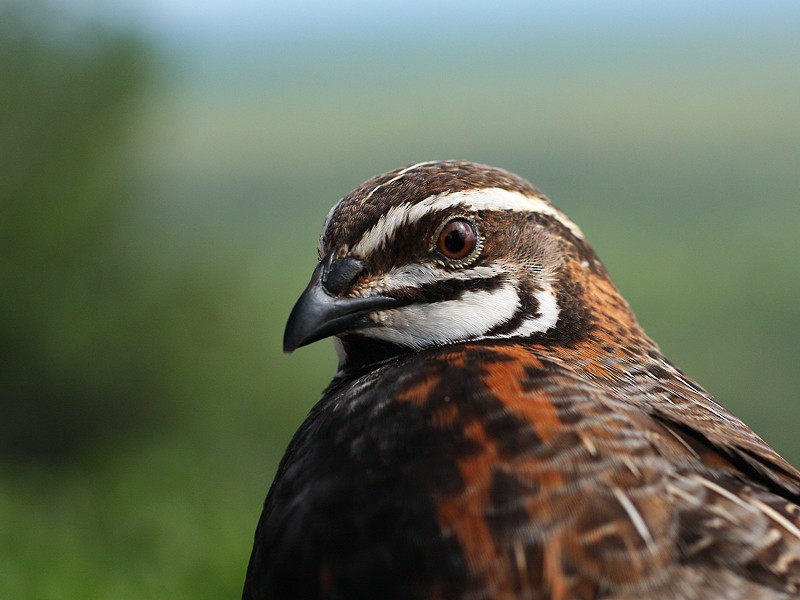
(457, 239)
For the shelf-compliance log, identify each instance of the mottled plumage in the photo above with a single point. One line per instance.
(501, 427)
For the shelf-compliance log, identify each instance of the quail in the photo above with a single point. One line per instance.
(500, 426)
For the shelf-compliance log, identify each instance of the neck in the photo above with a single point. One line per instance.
(598, 334)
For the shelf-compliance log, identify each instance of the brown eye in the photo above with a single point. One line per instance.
(457, 239)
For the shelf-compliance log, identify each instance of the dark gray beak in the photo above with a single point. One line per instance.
(323, 311)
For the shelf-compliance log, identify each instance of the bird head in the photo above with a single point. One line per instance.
(439, 253)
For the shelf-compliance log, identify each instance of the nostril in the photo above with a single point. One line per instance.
(341, 274)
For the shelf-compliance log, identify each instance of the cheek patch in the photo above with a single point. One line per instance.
(468, 317)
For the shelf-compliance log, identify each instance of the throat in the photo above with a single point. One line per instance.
(358, 353)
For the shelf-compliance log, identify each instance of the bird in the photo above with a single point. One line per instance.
(500, 426)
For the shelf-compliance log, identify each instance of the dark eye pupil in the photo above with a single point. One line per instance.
(457, 239)
(454, 241)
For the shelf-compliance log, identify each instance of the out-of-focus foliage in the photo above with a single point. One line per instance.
(71, 308)
(130, 335)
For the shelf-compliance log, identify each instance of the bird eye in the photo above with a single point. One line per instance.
(457, 239)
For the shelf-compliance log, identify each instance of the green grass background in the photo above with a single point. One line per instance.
(146, 395)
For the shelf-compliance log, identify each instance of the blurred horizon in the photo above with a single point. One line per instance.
(167, 166)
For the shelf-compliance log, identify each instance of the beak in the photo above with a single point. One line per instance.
(322, 310)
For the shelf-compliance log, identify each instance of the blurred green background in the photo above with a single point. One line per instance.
(164, 173)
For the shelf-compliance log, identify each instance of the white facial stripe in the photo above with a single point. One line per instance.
(422, 325)
(468, 317)
(400, 175)
(388, 223)
(547, 318)
(470, 200)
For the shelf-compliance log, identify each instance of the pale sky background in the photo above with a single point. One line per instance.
(187, 20)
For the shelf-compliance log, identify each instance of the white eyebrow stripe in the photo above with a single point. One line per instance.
(371, 192)
(470, 200)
